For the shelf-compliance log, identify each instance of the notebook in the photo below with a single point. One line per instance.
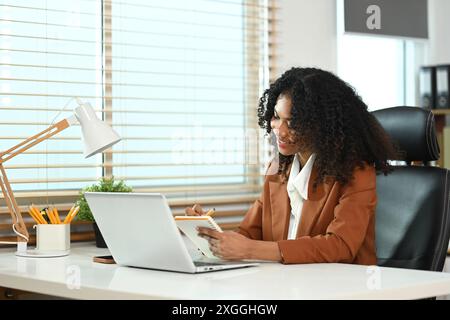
(188, 225)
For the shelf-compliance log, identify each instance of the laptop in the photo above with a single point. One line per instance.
(140, 231)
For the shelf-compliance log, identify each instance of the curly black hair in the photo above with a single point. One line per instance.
(331, 120)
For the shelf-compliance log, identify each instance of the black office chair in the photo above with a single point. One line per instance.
(412, 215)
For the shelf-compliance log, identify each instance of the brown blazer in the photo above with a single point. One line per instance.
(337, 222)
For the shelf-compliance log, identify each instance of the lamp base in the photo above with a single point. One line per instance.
(34, 253)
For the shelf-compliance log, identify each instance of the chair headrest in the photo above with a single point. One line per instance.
(413, 130)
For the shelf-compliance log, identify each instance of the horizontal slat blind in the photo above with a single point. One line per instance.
(179, 80)
(41, 42)
(209, 80)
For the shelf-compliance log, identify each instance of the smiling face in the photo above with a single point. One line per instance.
(280, 124)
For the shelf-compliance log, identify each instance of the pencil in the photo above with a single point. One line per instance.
(73, 214)
(50, 218)
(211, 212)
(33, 215)
(68, 214)
(38, 214)
(50, 215)
(56, 214)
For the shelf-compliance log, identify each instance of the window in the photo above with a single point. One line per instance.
(376, 74)
(181, 75)
(383, 70)
(179, 80)
(50, 52)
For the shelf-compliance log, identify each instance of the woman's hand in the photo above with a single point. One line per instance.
(227, 245)
(196, 210)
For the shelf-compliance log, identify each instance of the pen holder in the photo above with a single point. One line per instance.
(52, 237)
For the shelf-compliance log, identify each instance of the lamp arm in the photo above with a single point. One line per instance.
(19, 226)
(37, 138)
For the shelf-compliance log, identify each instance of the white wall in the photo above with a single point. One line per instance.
(439, 32)
(306, 34)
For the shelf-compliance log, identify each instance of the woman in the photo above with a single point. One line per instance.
(319, 206)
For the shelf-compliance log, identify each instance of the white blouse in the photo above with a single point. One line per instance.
(297, 188)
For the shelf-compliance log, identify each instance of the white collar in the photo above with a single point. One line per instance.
(299, 179)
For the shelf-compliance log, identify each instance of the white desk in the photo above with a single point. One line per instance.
(62, 276)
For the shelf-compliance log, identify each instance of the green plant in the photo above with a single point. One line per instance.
(103, 185)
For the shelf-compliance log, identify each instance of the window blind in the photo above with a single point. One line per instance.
(179, 81)
(50, 52)
(189, 79)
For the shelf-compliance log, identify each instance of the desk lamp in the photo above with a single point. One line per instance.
(97, 136)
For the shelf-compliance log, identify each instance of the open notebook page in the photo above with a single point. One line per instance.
(188, 225)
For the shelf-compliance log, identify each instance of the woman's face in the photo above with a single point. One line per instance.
(280, 125)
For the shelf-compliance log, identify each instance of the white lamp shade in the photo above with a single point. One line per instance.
(97, 135)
